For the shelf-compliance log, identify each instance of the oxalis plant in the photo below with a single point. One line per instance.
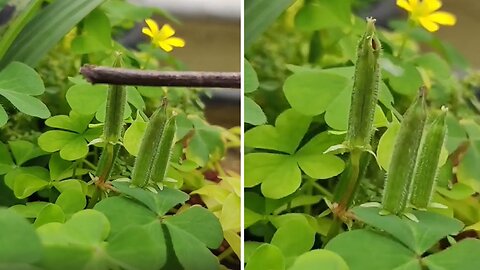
(109, 175)
(361, 167)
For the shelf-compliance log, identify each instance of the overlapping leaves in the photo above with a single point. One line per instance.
(406, 243)
(26, 180)
(87, 99)
(80, 243)
(253, 113)
(290, 249)
(313, 92)
(19, 84)
(181, 240)
(72, 136)
(279, 173)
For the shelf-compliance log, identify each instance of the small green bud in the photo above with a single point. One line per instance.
(142, 168)
(365, 89)
(427, 163)
(402, 165)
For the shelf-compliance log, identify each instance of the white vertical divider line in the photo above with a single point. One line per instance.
(242, 140)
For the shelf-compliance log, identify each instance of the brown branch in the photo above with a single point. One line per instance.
(122, 76)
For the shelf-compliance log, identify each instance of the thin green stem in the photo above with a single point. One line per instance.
(89, 164)
(402, 45)
(225, 254)
(315, 52)
(94, 199)
(351, 190)
(405, 36)
(333, 230)
(309, 192)
(104, 171)
(323, 190)
(347, 189)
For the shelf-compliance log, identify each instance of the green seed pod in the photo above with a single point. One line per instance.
(116, 102)
(365, 89)
(402, 164)
(427, 163)
(164, 151)
(142, 168)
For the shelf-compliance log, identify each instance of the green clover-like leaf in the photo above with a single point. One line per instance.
(79, 243)
(87, 99)
(187, 235)
(250, 77)
(205, 142)
(253, 113)
(20, 243)
(279, 173)
(329, 91)
(71, 137)
(21, 152)
(418, 236)
(19, 83)
(366, 249)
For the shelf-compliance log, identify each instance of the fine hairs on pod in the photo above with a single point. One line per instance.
(365, 89)
(142, 168)
(426, 169)
(402, 164)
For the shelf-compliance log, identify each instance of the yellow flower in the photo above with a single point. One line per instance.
(425, 13)
(162, 38)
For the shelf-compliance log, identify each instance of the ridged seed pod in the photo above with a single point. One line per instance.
(164, 151)
(116, 102)
(427, 163)
(142, 168)
(402, 164)
(365, 89)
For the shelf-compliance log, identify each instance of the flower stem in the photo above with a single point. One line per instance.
(405, 36)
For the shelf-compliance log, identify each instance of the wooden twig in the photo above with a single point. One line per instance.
(122, 76)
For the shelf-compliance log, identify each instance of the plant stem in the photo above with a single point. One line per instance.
(405, 36)
(346, 190)
(323, 190)
(122, 76)
(104, 170)
(315, 52)
(89, 164)
(95, 198)
(309, 192)
(225, 254)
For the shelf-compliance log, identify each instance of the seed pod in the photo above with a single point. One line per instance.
(116, 102)
(164, 151)
(150, 141)
(402, 164)
(427, 163)
(365, 89)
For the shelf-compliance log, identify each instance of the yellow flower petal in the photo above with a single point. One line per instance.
(166, 32)
(413, 3)
(175, 42)
(404, 4)
(152, 25)
(432, 5)
(165, 46)
(428, 24)
(147, 32)
(442, 17)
